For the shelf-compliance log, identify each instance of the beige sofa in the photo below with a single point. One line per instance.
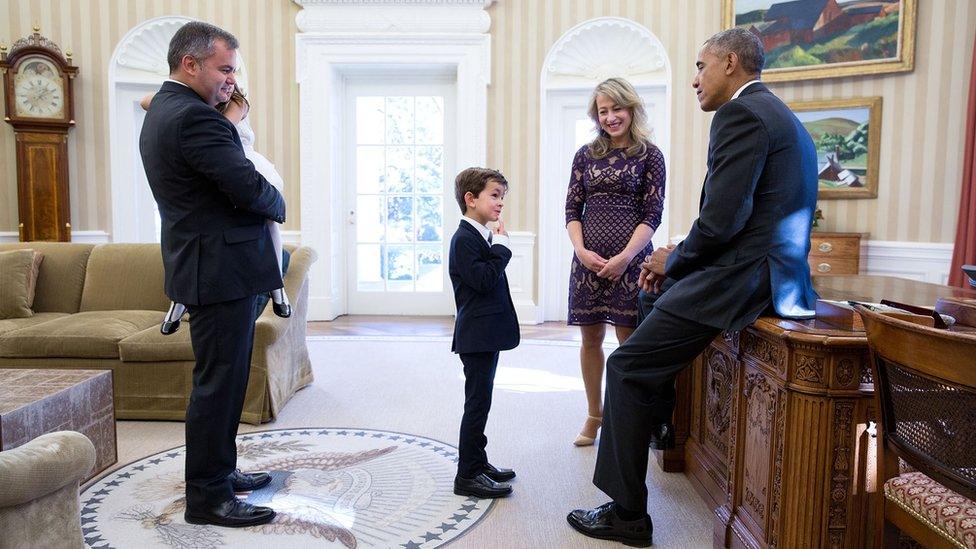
(39, 504)
(100, 306)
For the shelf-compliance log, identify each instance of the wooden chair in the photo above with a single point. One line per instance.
(925, 390)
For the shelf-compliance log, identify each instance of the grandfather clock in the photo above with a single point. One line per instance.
(37, 80)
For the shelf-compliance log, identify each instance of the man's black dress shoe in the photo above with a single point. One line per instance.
(498, 475)
(662, 436)
(481, 487)
(603, 523)
(245, 482)
(233, 513)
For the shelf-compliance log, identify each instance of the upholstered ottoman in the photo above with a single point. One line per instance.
(35, 402)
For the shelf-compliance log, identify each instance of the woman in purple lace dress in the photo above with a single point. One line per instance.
(613, 207)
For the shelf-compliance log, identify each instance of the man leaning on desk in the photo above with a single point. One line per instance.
(745, 254)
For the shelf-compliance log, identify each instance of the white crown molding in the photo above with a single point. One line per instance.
(581, 52)
(144, 47)
(393, 17)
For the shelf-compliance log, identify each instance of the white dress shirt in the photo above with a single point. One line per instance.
(739, 91)
(500, 239)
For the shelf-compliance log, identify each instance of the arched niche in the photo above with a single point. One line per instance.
(580, 59)
(138, 67)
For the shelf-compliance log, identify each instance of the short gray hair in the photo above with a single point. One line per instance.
(744, 43)
(196, 39)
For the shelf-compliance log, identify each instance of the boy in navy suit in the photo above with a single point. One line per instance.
(485, 323)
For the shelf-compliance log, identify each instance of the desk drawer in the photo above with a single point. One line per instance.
(833, 265)
(835, 247)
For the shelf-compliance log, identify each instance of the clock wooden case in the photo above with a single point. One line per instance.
(37, 80)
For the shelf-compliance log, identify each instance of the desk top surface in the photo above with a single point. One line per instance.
(861, 288)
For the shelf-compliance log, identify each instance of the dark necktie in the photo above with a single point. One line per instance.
(489, 239)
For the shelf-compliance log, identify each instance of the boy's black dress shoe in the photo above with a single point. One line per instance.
(481, 487)
(245, 482)
(233, 513)
(662, 436)
(498, 475)
(603, 523)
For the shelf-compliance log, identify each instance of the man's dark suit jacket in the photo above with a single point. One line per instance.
(750, 242)
(486, 318)
(212, 203)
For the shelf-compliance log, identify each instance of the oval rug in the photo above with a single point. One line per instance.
(330, 487)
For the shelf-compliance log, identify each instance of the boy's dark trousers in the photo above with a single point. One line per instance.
(479, 379)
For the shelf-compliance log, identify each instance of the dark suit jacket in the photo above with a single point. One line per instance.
(486, 318)
(212, 202)
(749, 245)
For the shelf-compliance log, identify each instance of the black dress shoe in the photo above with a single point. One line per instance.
(169, 327)
(233, 513)
(481, 487)
(281, 309)
(498, 475)
(662, 436)
(245, 482)
(603, 523)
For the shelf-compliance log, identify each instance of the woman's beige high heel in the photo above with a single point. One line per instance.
(583, 440)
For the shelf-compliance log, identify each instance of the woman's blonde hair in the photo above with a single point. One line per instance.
(623, 94)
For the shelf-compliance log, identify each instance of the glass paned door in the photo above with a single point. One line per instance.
(401, 199)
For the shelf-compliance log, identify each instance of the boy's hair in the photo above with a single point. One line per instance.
(474, 180)
(237, 97)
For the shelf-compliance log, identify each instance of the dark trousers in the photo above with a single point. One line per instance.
(640, 394)
(479, 380)
(222, 335)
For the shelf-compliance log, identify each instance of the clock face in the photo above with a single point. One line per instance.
(39, 89)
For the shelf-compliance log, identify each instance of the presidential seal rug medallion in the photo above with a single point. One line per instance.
(331, 487)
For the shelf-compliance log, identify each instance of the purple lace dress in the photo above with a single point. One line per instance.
(611, 196)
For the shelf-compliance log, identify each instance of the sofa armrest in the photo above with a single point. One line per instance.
(43, 466)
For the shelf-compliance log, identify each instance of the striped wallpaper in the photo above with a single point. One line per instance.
(922, 123)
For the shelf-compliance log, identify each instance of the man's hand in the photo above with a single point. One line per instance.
(591, 260)
(652, 269)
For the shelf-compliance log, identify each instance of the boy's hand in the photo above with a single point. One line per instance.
(499, 228)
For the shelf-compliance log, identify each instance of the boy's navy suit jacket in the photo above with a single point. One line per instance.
(486, 318)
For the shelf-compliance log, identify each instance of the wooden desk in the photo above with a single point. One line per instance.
(771, 424)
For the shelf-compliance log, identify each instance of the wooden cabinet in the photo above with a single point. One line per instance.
(835, 253)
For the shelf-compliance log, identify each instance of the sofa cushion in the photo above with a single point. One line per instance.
(94, 334)
(61, 276)
(150, 345)
(18, 274)
(950, 514)
(11, 324)
(122, 277)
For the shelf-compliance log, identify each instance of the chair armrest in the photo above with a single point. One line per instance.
(44, 465)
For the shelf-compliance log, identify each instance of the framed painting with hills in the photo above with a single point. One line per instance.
(806, 39)
(847, 135)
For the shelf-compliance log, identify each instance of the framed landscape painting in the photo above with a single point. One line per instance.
(805, 39)
(847, 135)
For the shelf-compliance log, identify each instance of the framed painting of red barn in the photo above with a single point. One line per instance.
(807, 39)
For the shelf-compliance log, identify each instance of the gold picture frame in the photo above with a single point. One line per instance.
(796, 63)
(852, 128)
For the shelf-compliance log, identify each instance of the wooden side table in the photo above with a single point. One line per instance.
(835, 253)
(35, 402)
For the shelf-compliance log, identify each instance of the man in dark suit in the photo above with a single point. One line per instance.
(217, 255)
(485, 323)
(745, 253)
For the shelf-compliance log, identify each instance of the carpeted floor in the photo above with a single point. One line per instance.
(413, 385)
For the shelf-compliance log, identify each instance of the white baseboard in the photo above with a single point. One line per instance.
(85, 237)
(923, 261)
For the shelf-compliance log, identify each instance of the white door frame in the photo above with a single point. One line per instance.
(323, 62)
(582, 57)
(409, 80)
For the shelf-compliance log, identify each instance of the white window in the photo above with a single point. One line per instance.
(400, 196)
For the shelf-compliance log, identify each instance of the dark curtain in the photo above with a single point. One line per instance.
(965, 250)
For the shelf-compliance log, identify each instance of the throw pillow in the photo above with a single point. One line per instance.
(18, 277)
